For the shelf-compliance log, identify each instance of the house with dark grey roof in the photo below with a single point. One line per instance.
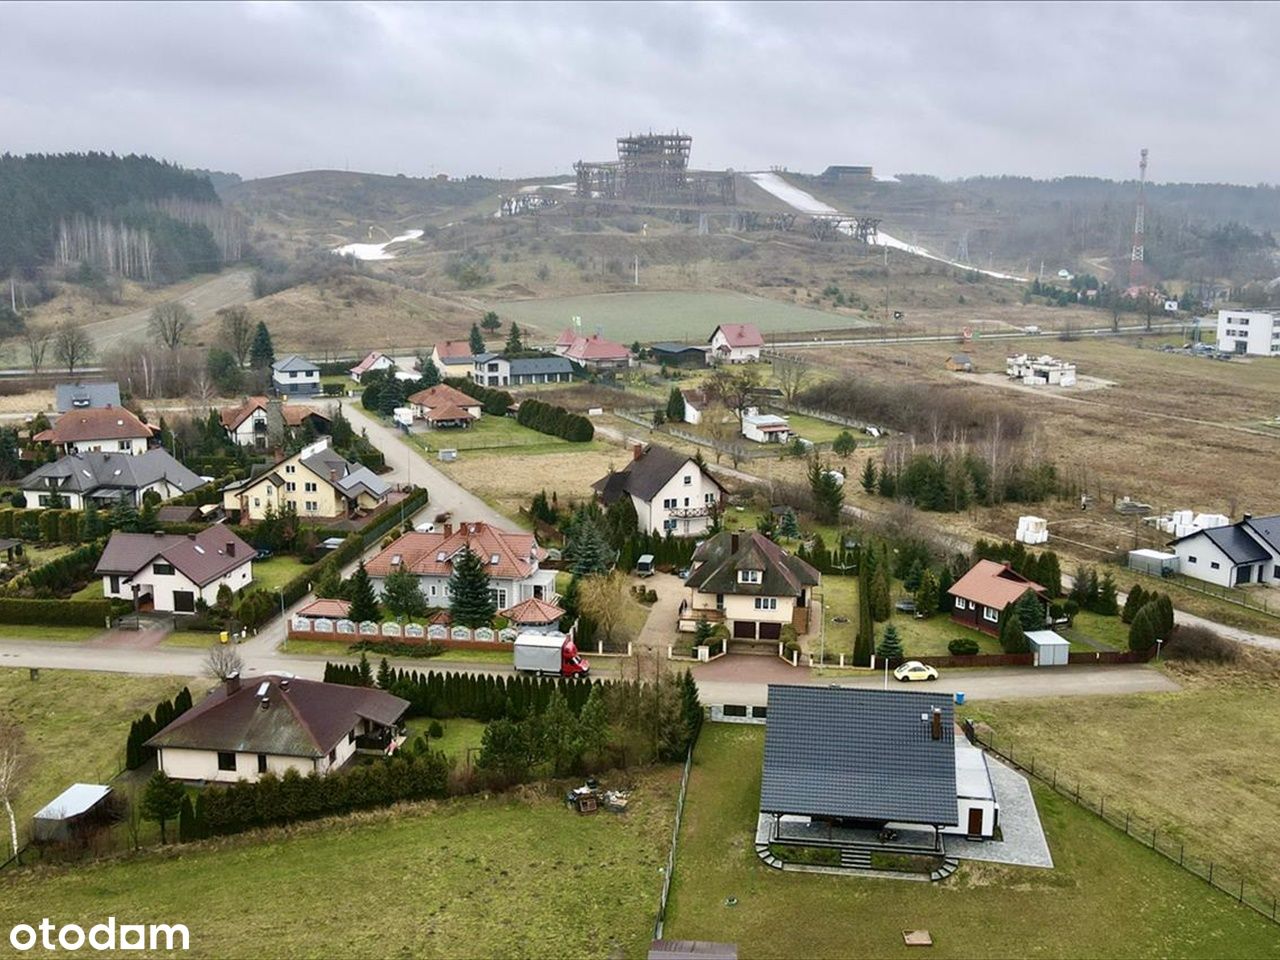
(107, 479)
(172, 572)
(294, 376)
(1234, 555)
(672, 492)
(85, 396)
(316, 482)
(496, 370)
(276, 724)
(751, 585)
(845, 760)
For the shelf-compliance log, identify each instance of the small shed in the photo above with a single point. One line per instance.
(1153, 562)
(77, 807)
(960, 363)
(1049, 649)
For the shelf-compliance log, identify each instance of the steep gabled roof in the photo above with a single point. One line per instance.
(201, 557)
(718, 560)
(566, 338)
(370, 361)
(862, 754)
(87, 472)
(303, 718)
(431, 554)
(739, 334)
(96, 423)
(81, 396)
(457, 351)
(992, 584)
(645, 476)
(1266, 529)
(1239, 541)
(293, 414)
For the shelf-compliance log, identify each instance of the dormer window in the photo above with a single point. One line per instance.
(749, 576)
(440, 557)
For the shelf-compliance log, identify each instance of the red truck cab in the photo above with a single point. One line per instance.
(571, 663)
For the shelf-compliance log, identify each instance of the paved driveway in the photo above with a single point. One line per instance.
(659, 630)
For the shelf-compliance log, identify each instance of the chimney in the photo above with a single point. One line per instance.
(1246, 517)
(284, 683)
(333, 476)
(733, 543)
(231, 548)
(266, 703)
(448, 529)
(231, 683)
(637, 451)
(935, 724)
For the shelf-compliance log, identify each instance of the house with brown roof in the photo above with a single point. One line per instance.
(593, 352)
(511, 558)
(980, 597)
(98, 429)
(373, 362)
(250, 424)
(750, 584)
(444, 406)
(453, 358)
(171, 572)
(317, 482)
(735, 343)
(275, 724)
(672, 492)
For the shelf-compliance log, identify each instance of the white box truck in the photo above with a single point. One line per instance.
(549, 653)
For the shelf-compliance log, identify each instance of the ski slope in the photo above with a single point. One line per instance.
(807, 203)
(375, 251)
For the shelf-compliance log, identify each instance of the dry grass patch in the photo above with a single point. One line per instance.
(510, 481)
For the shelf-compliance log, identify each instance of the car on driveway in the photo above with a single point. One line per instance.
(915, 670)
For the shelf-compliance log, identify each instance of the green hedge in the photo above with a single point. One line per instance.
(493, 402)
(71, 613)
(391, 517)
(63, 572)
(555, 420)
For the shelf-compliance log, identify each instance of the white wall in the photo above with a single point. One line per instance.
(435, 589)
(187, 764)
(161, 587)
(133, 447)
(1205, 555)
(1257, 331)
(654, 515)
(989, 818)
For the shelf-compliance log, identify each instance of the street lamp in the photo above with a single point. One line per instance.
(1159, 643)
(280, 593)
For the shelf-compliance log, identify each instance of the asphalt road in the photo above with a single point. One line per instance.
(229, 289)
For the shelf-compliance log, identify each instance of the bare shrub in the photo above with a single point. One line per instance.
(1200, 645)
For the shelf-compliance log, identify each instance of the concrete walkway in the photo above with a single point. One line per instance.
(1023, 842)
(659, 630)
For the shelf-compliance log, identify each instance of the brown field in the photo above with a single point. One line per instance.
(508, 482)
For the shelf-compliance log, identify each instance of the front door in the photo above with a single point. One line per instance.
(184, 601)
(975, 822)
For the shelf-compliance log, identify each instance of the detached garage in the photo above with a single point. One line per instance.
(1049, 649)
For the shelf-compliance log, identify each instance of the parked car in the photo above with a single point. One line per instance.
(265, 554)
(915, 670)
(644, 566)
(427, 527)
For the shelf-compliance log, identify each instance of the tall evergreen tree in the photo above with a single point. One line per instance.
(788, 525)
(402, 595)
(364, 603)
(471, 602)
(927, 594)
(1030, 611)
(262, 353)
(865, 641)
(1013, 639)
(869, 476)
(587, 547)
(162, 800)
(477, 340)
(675, 406)
(1107, 604)
(828, 494)
(1145, 629)
(890, 644)
(514, 343)
(881, 597)
(1134, 602)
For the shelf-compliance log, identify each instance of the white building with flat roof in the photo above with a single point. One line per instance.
(1253, 332)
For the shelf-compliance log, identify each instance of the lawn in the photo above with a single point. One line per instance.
(190, 638)
(649, 316)
(1201, 764)
(276, 572)
(1107, 631)
(514, 875)
(44, 631)
(90, 591)
(1107, 896)
(819, 431)
(75, 725)
(460, 735)
(489, 433)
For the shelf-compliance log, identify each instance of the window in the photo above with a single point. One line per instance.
(669, 503)
(226, 761)
(351, 735)
(1191, 559)
(1276, 572)
(257, 502)
(311, 506)
(499, 598)
(686, 501)
(262, 763)
(291, 468)
(162, 569)
(1214, 565)
(989, 614)
(310, 487)
(749, 576)
(115, 584)
(766, 603)
(293, 374)
(668, 524)
(688, 481)
(291, 487)
(709, 497)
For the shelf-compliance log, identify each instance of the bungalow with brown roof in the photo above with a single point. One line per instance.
(534, 616)
(276, 724)
(104, 429)
(593, 352)
(444, 406)
(171, 572)
(981, 596)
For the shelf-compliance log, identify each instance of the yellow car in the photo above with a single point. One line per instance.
(915, 670)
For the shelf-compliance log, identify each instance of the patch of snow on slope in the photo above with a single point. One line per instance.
(807, 203)
(375, 251)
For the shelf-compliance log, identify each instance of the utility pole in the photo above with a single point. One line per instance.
(636, 282)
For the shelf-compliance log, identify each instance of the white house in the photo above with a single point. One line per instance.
(511, 559)
(671, 492)
(495, 370)
(695, 404)
(249, 424)
(735, 343)
(109, 429)
(275, 724)
(1241, 553)
(295, 375)
(1041, 371)
(1249, 331)
(374, 362)
(765, 427)
(107, 479)
(171, 572)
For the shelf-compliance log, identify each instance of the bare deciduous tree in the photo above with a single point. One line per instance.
(13, 769)
(72, 346)
(38, 339)
(222, 661)
(792, 376)
(169, 323)
(237, 332)
(600, 598)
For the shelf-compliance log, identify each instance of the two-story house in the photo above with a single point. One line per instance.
(750, 584)
(495, 370)
(512, 559)
(672, 492)
(106, 429)
(295, 376)
(735, 343)
(453, 358)
(250, 424)
(593, 352)
(372, 363)
(107, 479)
(171, 572)
(317, 482)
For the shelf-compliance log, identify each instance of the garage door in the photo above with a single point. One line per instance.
(184, 601)
(744, 630)
(770, 631)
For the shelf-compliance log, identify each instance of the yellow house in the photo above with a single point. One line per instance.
(317, 482)
(751, 585)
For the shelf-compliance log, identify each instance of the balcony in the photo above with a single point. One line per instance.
(686, 513)
(700, 613)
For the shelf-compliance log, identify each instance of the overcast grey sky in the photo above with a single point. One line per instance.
(951, 89)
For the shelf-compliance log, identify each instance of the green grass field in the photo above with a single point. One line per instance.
(276, 572)
(460, 735)
(190, 638)
(492, 434)
(649, 316)
(90, 591)
(1107, 896)
(75, 726)
(42, 631)
(517, 875)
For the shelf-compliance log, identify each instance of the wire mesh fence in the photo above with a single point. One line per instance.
(1165, 842)
(661, 920)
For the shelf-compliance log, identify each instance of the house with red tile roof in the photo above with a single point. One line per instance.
(980, 597)
(374, 361)
(593, 352)
(444, 406)
(249, 424)
(511, 558)
(105, 429)
(453, 358)
(735, 343)
(534, 616)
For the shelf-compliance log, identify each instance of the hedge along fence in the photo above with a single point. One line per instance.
(493, 402)
(390, 517)
(72, 613)
(555, 421)
(63, 572)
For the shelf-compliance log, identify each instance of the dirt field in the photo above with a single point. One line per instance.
(508, 482)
